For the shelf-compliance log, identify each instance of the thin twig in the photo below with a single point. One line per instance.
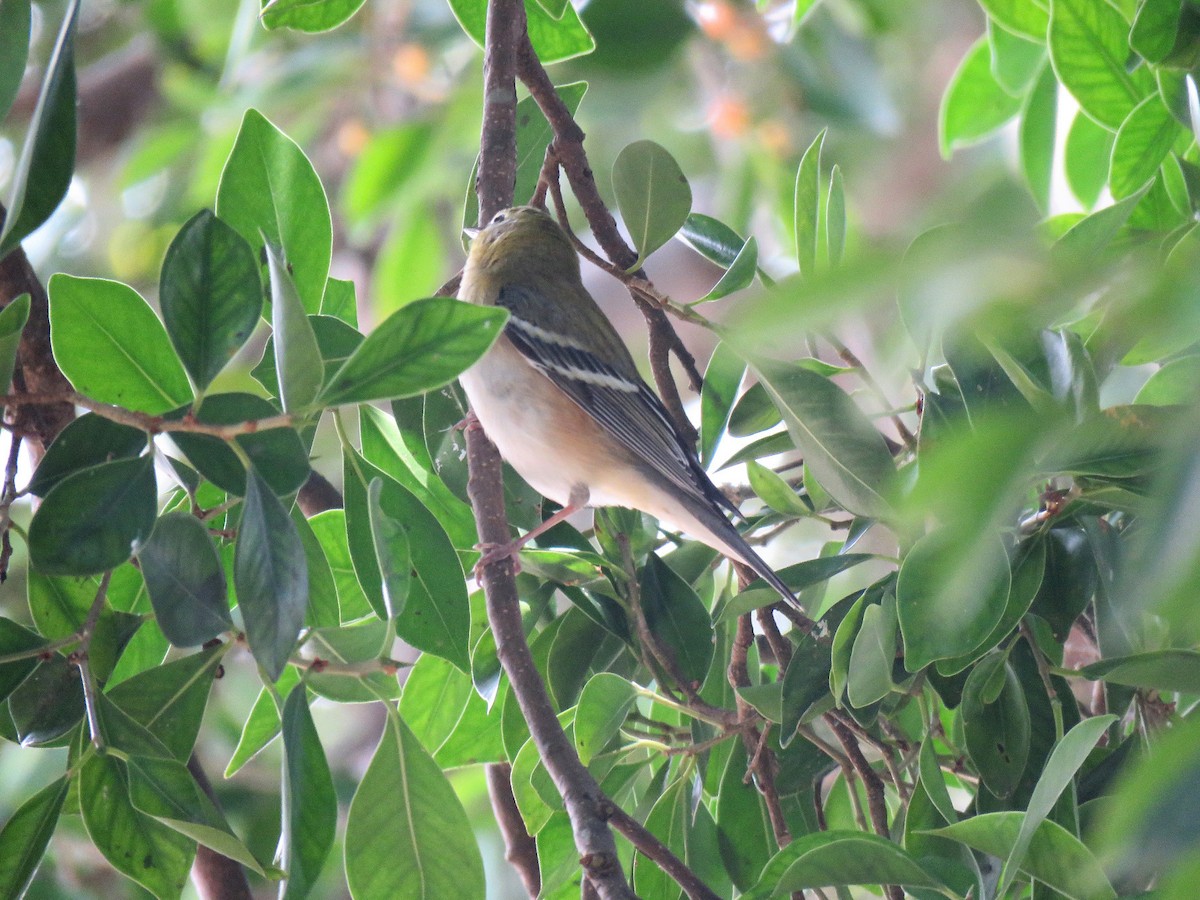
(849, 358)
(520, 849)
(658, 852)
(79, 658)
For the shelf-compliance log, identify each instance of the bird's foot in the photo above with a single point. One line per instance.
(493, 553)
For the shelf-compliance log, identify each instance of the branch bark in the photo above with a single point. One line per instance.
(520, 849)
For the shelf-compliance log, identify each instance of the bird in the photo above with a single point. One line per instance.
(560, 396)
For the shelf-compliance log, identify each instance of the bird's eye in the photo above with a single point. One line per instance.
(499, 217)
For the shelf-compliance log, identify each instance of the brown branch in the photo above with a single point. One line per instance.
(520, 849)
(659, 853)
(584, 802)
(318, 495)
(780, 646)
(568, 149)
(851, 359)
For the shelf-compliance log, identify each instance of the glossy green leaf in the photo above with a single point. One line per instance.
(15, 20)
(48, 703)
(419, 347)
(831, 858)
(407, 834)
(324, 609)
(742, 831)
(435, 695)
(278, 454)
(797, 576)
(392, 551)
(12, 322)
(807, 206)
(974, 104)
(722, 379)
(835, 218)
(87, 441)
(47, 161)
(1016, 60)
(16, 639)
(603, 705)
(1155, 29)
(336, 341)
(774, 491)
(311, 16)
(554, 40)
(112, 347)
(135, 844)
(740, 274)
(653, 195)
(677, 617)
(165, 790)
(1089, 48)
(712, 239)
(1065, 760)
(1160, 670)
(297, 356)
(330, 529)
(839, 444)
(169, 700)
(668, 820)
(1055, 857)
(210, 293)
(26, 834)
(1086, 158)
(262, 724)
(95, 519)
(1143, 139)
(271, 577)
(360, 642)
(270, 194)
(1025, 17)
(869, 677)
(996, 723)
(186, 581)
(310, 805)
(1038, 124)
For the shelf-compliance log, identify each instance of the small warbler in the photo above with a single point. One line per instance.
(561, 397)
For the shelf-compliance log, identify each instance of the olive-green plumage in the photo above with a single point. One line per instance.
(561, 397)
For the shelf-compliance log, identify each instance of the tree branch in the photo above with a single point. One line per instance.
(520, 849)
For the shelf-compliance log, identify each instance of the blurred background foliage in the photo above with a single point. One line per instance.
(953, 294)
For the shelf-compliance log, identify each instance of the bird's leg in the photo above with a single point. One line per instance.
(496, 552)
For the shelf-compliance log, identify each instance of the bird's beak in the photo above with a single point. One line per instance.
(471, 233)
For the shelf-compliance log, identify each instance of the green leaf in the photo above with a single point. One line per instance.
(832, 858)
(310, 804)
(26, 834)
(336, 341)
(835, 218)
(1089, 49)
(797, 576)
(1038, 123)
(668, 820)
(270, 574)
(742, 836)
(155, 856)
(604, 703)
(297, 356)
(1086, 158)
(12, 322)
(1024, 17)
(933, 782)
(1155, 29)
(554, 40)
(974, 104)
(165, 790)
(1142, 141)
(806, 210)
(653, 195)
(1065, 760)
(407, 834)
(330, 529)
(263, 723)
(392, 551)
(843, 449)
(435, 695)
(324, 610)
(271, 195)
(1159, 670)
(185, 580)
(14, 51)
(85, 442)
(869, 677)
(712, 239)
(112, 347)
(278, 454)
(16, 639)
(95, 519)
(676, 616)
(1056, 857)
(950, 596)
(340, 302)
(48, 703)
(533, 137)
(169, 700)
(47, 161)
(1094, 232)
(722, 378)
(774, 491)
(1016, 60)
(740, 274)
(311, 16)
(211, 295)
(995, 719)
(419, 347)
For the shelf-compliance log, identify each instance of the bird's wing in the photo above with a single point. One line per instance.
(621, 403)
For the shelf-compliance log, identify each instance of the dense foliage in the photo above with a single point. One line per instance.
(958, 401)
